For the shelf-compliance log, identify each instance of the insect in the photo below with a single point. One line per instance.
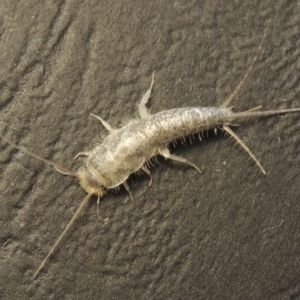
(128, 149)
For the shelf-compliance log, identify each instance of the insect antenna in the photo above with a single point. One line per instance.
(83, 203)
(58, 168)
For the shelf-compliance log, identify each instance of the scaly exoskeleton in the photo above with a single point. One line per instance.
(128, 149)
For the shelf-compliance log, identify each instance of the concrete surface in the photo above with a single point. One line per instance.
(232, 233)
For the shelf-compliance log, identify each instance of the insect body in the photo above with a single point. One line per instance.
(128, 149)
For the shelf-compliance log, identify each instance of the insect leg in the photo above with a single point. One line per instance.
(126, 186)
(104, 123)
(143, 110)
(166, 154)
(146, 170)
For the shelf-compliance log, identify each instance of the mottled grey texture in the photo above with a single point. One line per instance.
(232, 233)
(127, 149)
(124, 151)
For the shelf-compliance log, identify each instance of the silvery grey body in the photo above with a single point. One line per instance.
(125, 150)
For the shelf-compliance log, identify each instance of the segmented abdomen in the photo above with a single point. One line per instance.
(167, 126)
(126, 150)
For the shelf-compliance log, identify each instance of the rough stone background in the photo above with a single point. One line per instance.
(232, 233)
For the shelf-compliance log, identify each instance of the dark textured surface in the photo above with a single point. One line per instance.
(230, 234)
